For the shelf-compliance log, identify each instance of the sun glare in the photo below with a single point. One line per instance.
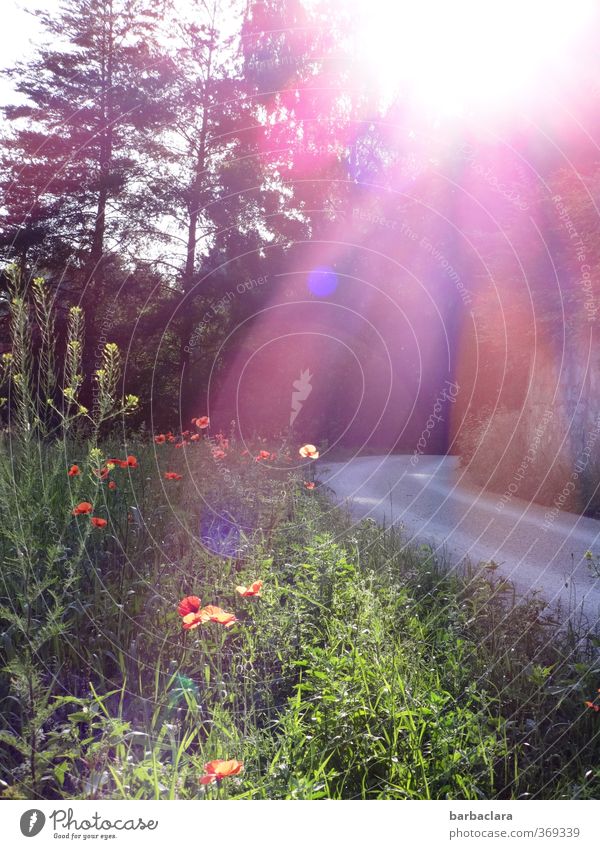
(451, 57)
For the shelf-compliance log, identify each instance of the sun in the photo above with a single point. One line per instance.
(457, 56)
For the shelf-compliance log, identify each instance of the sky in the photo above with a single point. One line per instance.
(20, 31)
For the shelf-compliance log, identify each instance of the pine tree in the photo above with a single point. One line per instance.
(72, 165)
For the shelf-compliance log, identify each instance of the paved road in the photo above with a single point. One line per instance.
(435, 505)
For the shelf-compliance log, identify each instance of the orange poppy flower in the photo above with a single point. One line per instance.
(211, 613)
(195, 437)
(218, 453)
(82, 509)
(97, 522)
(73, 471)
(173, 476)
(160, 439)
(309, 451)
(253, 589)
(201, 422)
(218, 770)
(131, 461)
(192, 620)
(112, 485)
(592, 705)
(309, 484)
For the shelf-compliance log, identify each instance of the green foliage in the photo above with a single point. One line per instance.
(364, 670)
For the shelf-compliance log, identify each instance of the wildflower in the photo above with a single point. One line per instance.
(185, 434)
(201, 422)
(114, 461)
(195, 437)
(97, 522)
(73, 471)
(210, 613)
(309, 451)
(253, 589)
(592, 705)
(192, 620)
(189, 610)
(309, 485)
(82, 509)
(102, 473)
(588, 555)
(182, 444)
(131, 461)
(189, 604)
(218, 770)
(218, 453)
(160, 439)
(263, 455)
(171, 439)
(112, 485)
(172, 476)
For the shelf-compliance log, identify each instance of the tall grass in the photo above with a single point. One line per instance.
(366, 669)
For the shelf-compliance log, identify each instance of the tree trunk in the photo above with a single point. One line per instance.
(187, 399)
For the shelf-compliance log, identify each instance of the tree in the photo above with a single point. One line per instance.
(72, 168)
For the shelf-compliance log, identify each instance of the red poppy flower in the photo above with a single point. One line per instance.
(189, 604)
(185, 434)
(131, 461)
(73, 471)
(112, 485)
(211, 613)
(218, 770)
(309, 451)
(201, 422)
(309, 484)
(218, 453)
(102, 473)
(263, 455)
(82, 509)
(114, 461)
(173, 476)
(253, 589)
(97, 522)
(160, 439)
(195, 437)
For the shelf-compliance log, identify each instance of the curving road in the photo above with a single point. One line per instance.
(434, 505)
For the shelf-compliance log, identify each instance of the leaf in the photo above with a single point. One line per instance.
(60, 771)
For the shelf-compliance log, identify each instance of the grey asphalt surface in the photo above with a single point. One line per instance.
(434, 504)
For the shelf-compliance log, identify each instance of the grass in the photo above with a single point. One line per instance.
(365, 670)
